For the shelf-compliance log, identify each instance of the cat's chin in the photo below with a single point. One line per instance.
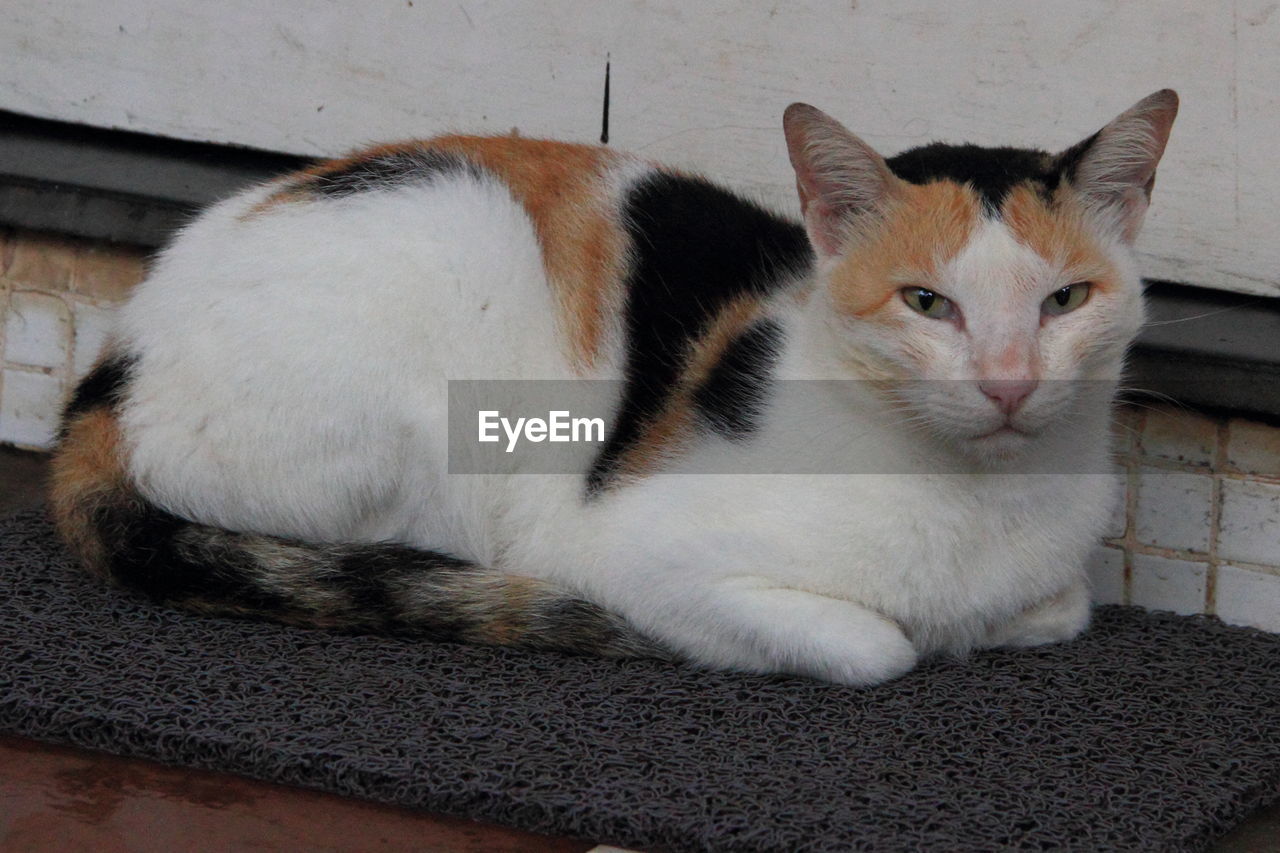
(1001, 444)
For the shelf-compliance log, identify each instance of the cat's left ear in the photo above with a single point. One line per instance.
(1115, 169)
(839, 177)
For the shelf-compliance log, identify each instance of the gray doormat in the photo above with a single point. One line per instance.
(1152, 732)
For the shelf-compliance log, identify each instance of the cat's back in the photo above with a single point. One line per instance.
(288, 355)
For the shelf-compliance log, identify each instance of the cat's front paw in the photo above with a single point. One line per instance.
(840, 641)
(881, 654)
(753, 625)
(1056, 619)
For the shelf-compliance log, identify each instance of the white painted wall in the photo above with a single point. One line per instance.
(696, 82)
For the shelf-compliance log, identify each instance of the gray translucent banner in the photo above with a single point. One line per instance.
(795, 427)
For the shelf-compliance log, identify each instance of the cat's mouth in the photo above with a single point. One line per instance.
(1005, 431)
(1005, 442)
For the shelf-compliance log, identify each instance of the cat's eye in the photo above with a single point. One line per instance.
(928, 303)
(1067, 299)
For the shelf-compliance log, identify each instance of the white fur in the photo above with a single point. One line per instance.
(292, 381)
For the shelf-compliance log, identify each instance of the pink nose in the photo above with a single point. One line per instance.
(1008, 394)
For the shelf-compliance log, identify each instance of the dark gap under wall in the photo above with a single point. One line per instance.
(117, 185)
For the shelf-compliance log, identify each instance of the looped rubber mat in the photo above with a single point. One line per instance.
(1151, 732)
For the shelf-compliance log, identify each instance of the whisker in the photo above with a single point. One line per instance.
(1213, 313)
(1159, 395)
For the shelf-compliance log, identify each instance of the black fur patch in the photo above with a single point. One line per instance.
(174, 561)
(369, 575)
(992, 172)
(695, 247)
(152, 553)
(729, 401)
(104, 386)
(388, 171)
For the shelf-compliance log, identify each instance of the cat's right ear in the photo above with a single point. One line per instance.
(839, 177)
(1115, 169)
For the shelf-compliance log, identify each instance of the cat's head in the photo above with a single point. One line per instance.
(1007, 269)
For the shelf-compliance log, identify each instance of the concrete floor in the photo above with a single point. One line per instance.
(57, 798)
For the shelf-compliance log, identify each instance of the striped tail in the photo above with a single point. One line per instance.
(368, 588)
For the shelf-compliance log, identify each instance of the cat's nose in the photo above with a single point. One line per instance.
(1008, 394)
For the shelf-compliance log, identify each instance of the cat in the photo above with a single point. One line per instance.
(266, 433)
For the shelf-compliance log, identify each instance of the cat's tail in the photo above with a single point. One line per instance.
(382, 588)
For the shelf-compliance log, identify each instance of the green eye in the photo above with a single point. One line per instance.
(1067, 299)
(928, 303)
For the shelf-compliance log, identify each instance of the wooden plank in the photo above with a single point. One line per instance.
(698, 84)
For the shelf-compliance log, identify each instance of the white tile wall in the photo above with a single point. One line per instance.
(1204, 522)
(29, 407)
(1120, 511)
(1106, 575)
(1161, 583)
(1250, 530)
(1248, 597)
(1254, 448)
(1178, 435)
(1173, 509)
(91, 326)
(37, 330)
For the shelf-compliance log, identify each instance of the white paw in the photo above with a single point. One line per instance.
(826, 638)
(1056, 620)
(881, 653)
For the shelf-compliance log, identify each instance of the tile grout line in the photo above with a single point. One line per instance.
(1215, 470)
(69, 342)
(6, 288)
(1215, 518)
(35, 369)
(1130, 538)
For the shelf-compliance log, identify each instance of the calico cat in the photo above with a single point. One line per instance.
(266, 434)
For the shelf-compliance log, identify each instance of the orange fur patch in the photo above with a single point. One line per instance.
(562, 187)
(924, 227)
(664, 435)
(1058, 234)
(501, 612)
(87, 478)
(289, 193)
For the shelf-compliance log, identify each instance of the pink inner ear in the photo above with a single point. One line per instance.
(824, 228)
(838, 176)
(1118, 170)
(805, 197)
(1133, 210)
(821, 219)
